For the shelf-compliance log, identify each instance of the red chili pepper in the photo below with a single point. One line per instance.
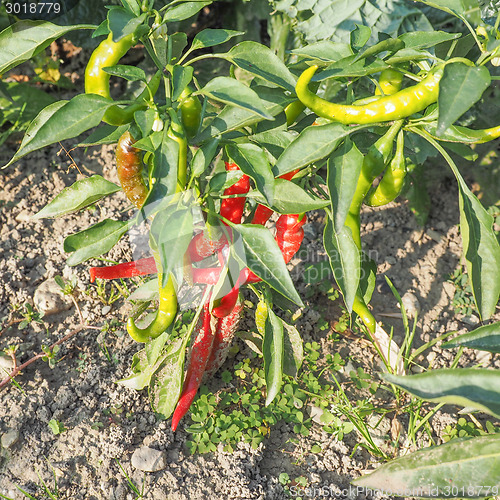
(223, 338)
(201, 246)
(289, 234)
(227, 303)
(206, 276)
(200, 353)
(232, 208)
(139, 267)
(262, 213)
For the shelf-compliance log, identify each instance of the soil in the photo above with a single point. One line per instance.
(106, 423)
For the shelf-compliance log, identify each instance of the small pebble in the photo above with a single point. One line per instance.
(149, 459)
(6, 364)
(105, 310)
(411, 304)
(10, 438)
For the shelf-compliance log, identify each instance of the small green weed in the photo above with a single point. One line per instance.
(464, 428)
(56, 427)
(463, 301)
(238, 413)
(131, 484)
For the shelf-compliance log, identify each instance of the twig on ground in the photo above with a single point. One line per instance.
(18, 368)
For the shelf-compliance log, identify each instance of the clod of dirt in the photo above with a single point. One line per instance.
(49, 299)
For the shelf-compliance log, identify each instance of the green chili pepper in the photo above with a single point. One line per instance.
(293, 110)
(165, 315)
(389, 82)
(393, 180)
(168, 299)
(177, 133)
(373, 165)
(108, 53)
(394, 107)
(190, 112)
(456, 133)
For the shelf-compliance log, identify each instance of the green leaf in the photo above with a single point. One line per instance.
(289, 198)
(147, 291)
(232, 118)
(172, 230)
(184, 10)
(275, 141)
(388, 45)
(344, 260)
(221, 181)
(233, 92)
(181, 78)
(164, 174)
(262, 62)
(130, 73)
(344, 167)
(203, 157)
(313, 143)
(481, 249)
(143, 369)
(273, 349)
(253, 161)
(351, 67)
(264, 258)
(212, 37)
(360, 36)
(293, 350)
(460, 87)
(150, 143)
(426, 39)
(62, 120)
(105, 134)
(484, 338)
(25, 39)
(121, 22)
(133, 6)
(94, 241)
(463, 9)
(468, 387)
(79, 195)
(464, 468)
(178, 42)
(324, 51)
(167, 382)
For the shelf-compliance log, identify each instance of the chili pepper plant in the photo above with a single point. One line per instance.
(223, 173)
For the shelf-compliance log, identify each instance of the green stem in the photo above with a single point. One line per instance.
(203, 56)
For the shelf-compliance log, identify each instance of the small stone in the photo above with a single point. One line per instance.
(411, 304)
(149, 459)
(471, 320)
(105, 310)
(6, 364)
(434, 235)
(10, 438)
(49, 298)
